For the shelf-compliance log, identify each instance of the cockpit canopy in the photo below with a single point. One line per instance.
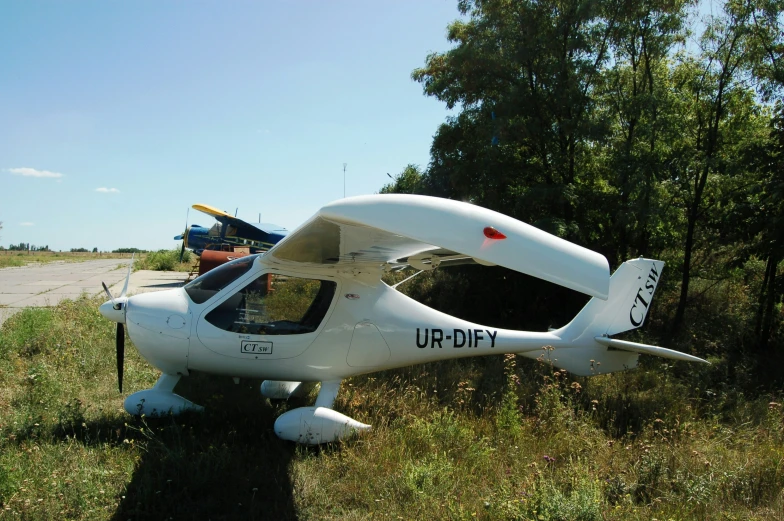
(203, 288)
(269, 304)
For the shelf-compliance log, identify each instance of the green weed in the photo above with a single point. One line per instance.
(490, 438)
(165, 260)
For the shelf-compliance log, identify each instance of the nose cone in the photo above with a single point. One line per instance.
(114, 310)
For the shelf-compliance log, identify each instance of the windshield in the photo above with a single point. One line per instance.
(215, 231)
(206, 286)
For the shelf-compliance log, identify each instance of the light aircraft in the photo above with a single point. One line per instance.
(314, 308)
(229, 230)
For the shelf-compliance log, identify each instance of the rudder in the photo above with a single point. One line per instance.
(632, 287)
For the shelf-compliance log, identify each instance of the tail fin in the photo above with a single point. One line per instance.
(592, 351)
(631, 291)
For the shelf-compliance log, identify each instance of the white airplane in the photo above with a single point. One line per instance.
(314, 308)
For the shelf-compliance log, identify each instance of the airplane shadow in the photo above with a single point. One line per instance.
(225, 463)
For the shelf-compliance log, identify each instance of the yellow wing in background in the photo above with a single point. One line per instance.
(211, 210)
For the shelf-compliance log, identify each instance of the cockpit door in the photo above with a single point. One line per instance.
(273, 316)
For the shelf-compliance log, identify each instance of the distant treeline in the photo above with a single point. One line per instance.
(129, 250)
(595, 121)
(25, 246)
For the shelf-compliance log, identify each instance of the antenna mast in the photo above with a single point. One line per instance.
(344, 179)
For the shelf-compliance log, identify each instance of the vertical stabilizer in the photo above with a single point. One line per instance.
(631, 291)
(589, 349)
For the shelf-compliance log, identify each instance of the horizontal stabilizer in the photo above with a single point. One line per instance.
(633, 347)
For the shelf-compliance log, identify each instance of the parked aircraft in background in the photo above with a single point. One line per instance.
(229, 231)
(314, 308)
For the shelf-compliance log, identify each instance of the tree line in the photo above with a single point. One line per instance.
(631, 128)
(26, 246)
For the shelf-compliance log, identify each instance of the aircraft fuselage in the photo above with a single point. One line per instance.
(364, 328)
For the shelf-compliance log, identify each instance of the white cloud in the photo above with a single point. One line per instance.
(27, 224)
(32, 172)
(107, 190)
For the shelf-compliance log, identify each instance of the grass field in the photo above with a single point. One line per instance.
(163, 260)
(489, 438)
(10, 259)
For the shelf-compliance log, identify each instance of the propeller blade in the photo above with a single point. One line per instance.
(120, 353)
(128, 277)
(185, 234)
(108, 293)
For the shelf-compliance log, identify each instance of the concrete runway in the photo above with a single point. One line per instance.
(43, 285)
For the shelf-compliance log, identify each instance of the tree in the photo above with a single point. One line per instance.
(586, 120)
(522, 73)
(710, 85)
(759, 221)
(764, 42)
(635, 97)
(772, 234)
(409, 181)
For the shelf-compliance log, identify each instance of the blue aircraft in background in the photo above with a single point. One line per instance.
(229, 231)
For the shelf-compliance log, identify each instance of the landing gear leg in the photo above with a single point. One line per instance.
(327, 394)
(160, 400)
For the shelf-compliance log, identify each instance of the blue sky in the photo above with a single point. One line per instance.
(117, 116)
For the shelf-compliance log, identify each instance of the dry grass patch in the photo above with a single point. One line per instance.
(491, 438)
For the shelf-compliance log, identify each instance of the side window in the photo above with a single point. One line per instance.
(275, 305)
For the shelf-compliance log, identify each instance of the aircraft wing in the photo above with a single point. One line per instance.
(396, 230)
(265, 234)
(227, 219)
(211, 210)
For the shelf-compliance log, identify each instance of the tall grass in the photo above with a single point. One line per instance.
(165, 260)
(489, 438)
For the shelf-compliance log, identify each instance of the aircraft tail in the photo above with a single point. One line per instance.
(592, 351)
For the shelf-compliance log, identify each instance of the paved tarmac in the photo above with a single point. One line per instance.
(43, 285)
